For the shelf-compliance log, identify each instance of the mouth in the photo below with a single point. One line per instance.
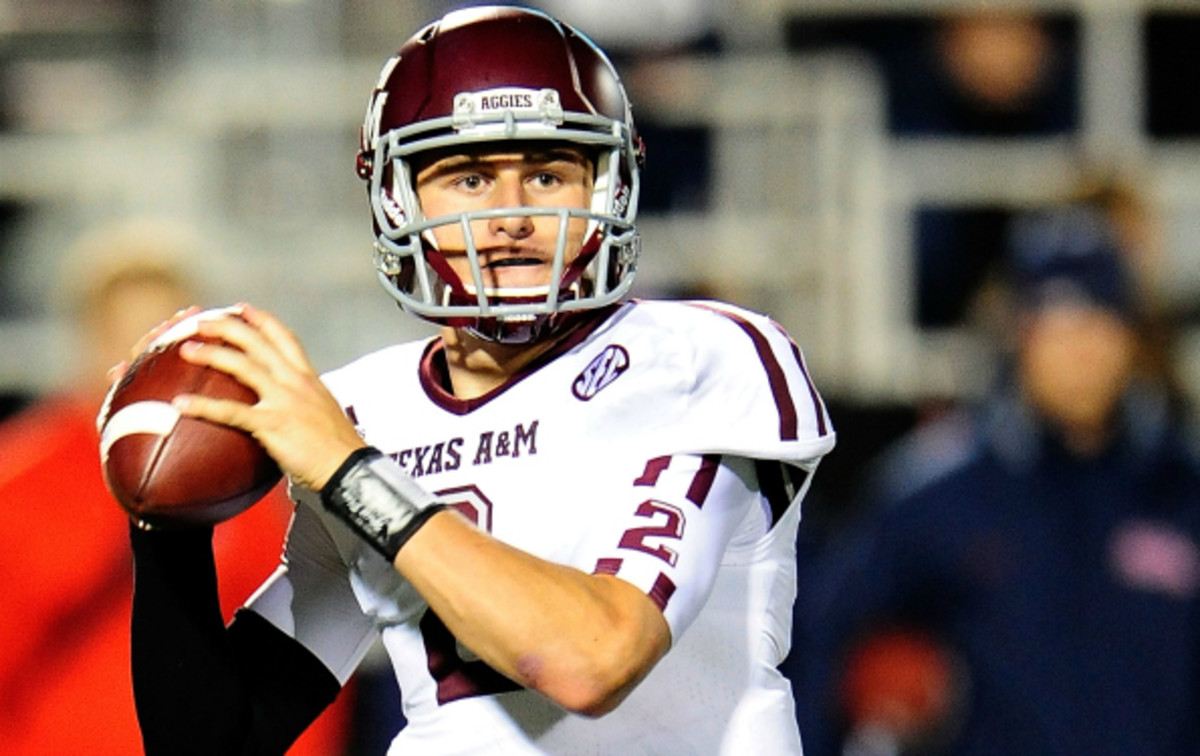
(497, 258)
(512, 262)
(512, 272)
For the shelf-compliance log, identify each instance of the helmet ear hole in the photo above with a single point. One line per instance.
(364, 165)
(639, 148)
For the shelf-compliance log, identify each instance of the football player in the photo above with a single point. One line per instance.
(570, 518)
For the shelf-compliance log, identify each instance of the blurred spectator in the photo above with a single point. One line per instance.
(1026, 578)
(976, 73)
(992, 74)
(959, 250)
(66, 575)
(995, 74)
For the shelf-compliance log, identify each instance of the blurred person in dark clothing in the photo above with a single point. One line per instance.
(1027, 578)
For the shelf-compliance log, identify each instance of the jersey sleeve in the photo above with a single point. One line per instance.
(670, 534)
(310, 598)
(733, 428)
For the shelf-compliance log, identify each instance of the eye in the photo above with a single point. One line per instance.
(471, 182)
(547, 179)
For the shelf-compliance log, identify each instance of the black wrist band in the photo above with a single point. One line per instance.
(378, 501)
(359, 454)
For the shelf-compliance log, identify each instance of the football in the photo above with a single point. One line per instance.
(166, 469)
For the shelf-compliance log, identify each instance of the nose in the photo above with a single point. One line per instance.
(511, 193)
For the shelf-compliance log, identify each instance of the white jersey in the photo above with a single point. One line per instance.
(648, 447)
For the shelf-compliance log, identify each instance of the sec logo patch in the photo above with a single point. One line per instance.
(600, 372)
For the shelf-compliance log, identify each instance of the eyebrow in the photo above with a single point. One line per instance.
(458, 161)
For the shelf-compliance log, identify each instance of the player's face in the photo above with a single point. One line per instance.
(1075, 363)
(515, 251)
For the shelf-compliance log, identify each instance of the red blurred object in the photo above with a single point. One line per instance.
(67, 585)
(900, 681)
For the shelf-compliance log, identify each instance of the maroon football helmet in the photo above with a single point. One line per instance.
(496, 75)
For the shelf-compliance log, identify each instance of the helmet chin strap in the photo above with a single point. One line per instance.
(515, 330)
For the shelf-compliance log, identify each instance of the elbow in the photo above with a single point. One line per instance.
(590, 673)
(597, 708)
(594, 684)
(591, 696)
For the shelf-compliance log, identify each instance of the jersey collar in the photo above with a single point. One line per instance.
(434, 373)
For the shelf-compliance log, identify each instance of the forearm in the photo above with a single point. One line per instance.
(188, 693)
(582, 640)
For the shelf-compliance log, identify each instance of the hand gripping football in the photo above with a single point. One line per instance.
(167, 469)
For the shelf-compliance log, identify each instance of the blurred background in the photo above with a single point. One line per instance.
(841, 165)
(852, 167)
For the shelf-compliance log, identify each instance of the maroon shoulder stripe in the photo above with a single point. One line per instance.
(702, 483)
(818, 406)
(788, 421)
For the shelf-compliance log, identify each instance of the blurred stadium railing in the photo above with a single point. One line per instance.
(241, 118)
